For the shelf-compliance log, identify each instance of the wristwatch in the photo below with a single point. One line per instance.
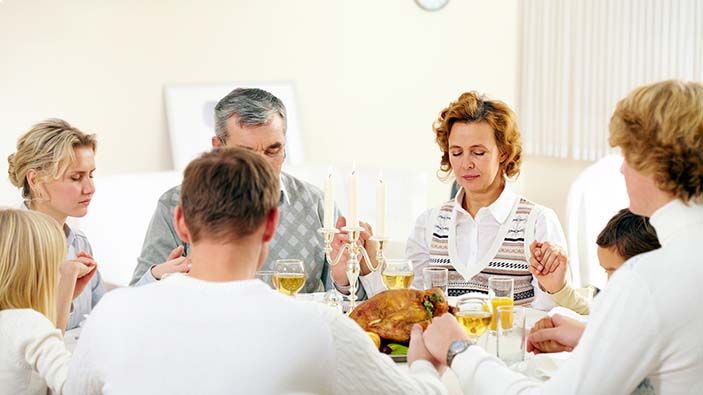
(457, 347)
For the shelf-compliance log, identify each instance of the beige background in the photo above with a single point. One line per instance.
(370, 75)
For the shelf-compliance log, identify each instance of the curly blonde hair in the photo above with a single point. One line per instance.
(47, 148)
(659, 128)
(474, 107)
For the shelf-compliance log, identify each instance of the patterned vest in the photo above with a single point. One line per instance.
(507, 257)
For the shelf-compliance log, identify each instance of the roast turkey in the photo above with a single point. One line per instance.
(391, 314)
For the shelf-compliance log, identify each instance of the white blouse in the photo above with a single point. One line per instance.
(475, 237)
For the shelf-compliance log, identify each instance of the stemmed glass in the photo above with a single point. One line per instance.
(397, 273)
(474, 316)
(290, 276)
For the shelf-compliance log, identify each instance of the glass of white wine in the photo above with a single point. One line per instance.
(397, 273)
(290, 276)
(474, 316)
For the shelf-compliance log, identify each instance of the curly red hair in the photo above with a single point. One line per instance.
(474, 107)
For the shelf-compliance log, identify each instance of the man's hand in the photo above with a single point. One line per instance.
(555, 334)
(441, 333)
(339, 271)
(548, 264)
(418, 350)
(175, 263)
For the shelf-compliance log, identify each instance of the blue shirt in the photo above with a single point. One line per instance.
(77, 242)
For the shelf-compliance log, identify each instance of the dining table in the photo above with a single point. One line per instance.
(539, 367)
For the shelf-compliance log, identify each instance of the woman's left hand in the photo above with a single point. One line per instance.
(71, 271)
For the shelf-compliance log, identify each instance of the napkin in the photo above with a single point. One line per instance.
(542, 366)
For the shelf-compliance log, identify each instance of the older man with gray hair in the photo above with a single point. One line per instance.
(254, 119)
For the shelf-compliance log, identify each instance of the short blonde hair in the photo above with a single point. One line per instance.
(47, 148)
(32, 246)
(474, 107)
(659, 128)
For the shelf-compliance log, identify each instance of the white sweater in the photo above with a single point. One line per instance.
(185, 336)
(32, 354)
(644, 332)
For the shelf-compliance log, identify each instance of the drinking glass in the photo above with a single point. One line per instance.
(511, 340)
(474, 316)
(501, 292)
(267, 277)
(290, 276)
(436, 277)
(397, 273)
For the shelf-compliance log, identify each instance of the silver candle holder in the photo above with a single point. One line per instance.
(356, 254)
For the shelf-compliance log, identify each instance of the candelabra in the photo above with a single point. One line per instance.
(356, 254)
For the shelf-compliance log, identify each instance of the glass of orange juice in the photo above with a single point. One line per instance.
(501, 292)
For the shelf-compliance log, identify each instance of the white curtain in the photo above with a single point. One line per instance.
(579, 57)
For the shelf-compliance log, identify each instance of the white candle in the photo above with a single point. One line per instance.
(380, 207)
(353, 213)
(329, 200)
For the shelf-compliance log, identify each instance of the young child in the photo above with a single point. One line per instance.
(35, 297)
(625, 236)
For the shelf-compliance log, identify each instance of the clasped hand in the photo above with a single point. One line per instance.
(548, 264)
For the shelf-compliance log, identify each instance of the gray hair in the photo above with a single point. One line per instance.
(252, 106)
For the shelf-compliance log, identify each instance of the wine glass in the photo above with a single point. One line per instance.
(397, 273)
(474, 316)
(290, 276)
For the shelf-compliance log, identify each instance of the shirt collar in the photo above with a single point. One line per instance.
(673, 216)
(500, 209)
(284, 192)
(67, 231)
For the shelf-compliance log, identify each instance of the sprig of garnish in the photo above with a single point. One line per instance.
(435, 297)
(429, 307)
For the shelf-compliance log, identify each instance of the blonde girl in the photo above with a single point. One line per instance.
(36, 290)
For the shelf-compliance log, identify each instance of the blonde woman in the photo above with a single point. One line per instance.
(54, 165)
(36, 290)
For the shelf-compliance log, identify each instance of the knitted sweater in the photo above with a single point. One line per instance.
(32, 354)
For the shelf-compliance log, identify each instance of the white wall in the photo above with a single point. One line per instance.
(370, 75)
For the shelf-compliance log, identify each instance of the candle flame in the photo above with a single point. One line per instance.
(380, 176)
(353, 167)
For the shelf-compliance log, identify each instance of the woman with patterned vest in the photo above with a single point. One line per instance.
(487, 229)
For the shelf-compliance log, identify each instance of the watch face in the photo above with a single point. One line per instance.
(431, 5)
(457, 347)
